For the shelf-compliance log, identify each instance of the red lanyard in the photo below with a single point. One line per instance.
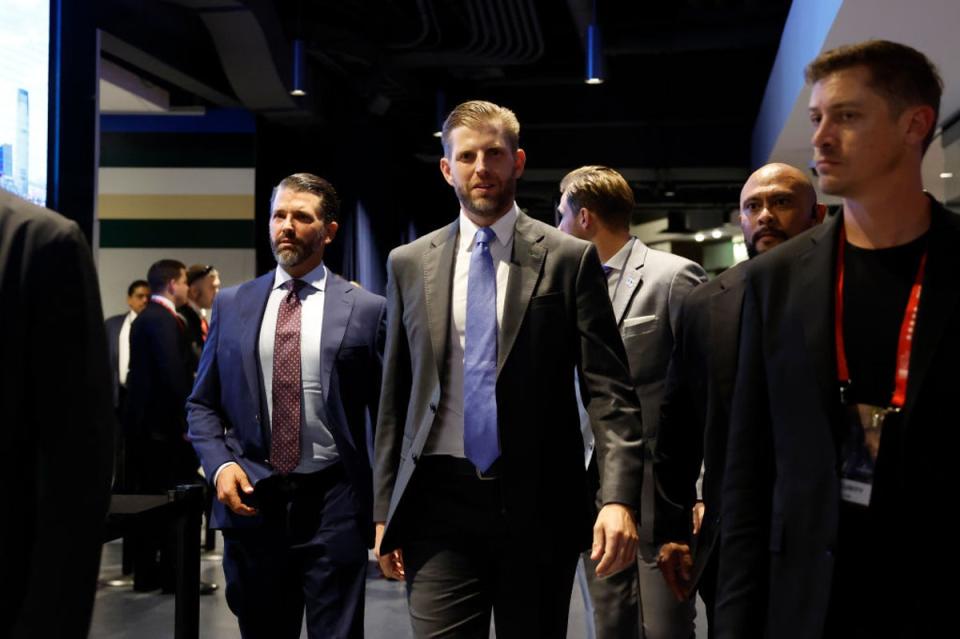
(907, 327)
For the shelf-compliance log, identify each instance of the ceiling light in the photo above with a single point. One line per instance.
(946, 175)
(716, 234)
(299, 68)
(699, 237)
(594, 52)
(669, 193)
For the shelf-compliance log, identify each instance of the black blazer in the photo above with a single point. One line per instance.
(57, 423)
(159, 378)
(194, 330)
(695, 414)
(112, 325)
(781, 491)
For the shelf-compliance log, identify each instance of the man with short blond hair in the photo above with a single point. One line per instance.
(480, 490)
(647, 288)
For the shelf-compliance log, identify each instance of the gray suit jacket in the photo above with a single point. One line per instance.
(557, 318)
(646, 305)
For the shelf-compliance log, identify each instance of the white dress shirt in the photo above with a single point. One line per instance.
(123, 348)
(317, 449)
(446, 436)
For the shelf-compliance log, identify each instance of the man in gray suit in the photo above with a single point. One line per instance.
(480, 493)
(647, 288)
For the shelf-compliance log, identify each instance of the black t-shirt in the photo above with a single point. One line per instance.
(876, 290)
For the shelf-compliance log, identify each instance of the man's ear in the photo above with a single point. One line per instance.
(445, 170)
(331, 228)
(519, 162)
(921, 121)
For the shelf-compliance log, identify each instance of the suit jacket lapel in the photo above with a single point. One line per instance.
(938, 298)
(630, 280)
(337, 305)
(815, 280)
(724, 314)
(252, 298)
(437, 284)
(525, 268)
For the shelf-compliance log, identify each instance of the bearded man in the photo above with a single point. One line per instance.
(291, 365)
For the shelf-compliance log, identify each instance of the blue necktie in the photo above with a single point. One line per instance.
(480, 442)
(607, 270)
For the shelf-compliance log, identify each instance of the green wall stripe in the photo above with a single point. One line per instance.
(224, 150)
(177, 234)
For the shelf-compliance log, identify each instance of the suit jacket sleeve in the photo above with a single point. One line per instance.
(394, 397)
(747, 489)
(684, 281)
(70, 426)
(207, 426)
(679, 450)
(610, 398)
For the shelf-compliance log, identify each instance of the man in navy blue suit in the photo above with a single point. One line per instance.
(290, 370)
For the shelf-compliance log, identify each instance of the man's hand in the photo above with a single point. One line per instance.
(614, 539)
(675, 562)
(230, 482)
(391, 564)
(699, 509)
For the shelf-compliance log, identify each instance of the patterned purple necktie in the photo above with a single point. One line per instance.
(285, 437)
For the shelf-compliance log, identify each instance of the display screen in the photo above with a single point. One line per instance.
(24, 69)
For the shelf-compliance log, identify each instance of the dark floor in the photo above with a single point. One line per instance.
(120, 613)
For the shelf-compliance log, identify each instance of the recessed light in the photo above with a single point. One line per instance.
(946, 175)
(716, 234)
(699, 237)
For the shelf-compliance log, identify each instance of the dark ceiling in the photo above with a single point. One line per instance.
(684, 79)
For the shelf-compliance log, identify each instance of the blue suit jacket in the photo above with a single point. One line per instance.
(227, 413)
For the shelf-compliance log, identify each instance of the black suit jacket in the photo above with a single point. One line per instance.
(158, 384)
(695, 414)
(194, 330)
(781, 490)
(57, 424)
(557, 317)
(112, 325)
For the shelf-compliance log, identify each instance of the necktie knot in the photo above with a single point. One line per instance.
(295, 286)
(485, 235)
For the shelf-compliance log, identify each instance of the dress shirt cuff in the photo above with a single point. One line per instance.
(216, 475)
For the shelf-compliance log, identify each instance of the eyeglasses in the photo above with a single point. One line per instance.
(199, 274)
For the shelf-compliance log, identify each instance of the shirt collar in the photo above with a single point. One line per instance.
(619, 259)
(161, 300)
(502, 228)
(315, 278)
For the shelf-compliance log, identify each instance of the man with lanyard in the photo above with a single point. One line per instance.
(839, 451)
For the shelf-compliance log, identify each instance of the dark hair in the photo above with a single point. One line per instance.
(477, 113)
(901, 74)
(135, 284)
(310, 183)
(603, 191)
(162, 272)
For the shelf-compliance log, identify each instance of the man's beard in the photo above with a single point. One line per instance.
(752, 250)
(486, 207)
(290, 255)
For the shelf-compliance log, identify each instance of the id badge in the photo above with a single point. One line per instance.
(860, 448)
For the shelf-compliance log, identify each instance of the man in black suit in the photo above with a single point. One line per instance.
(843, 433)
(204, 284)
(290, 373)
(57, 424)
(158, 454)
(118, 348)
(480, 488)
(777, 202)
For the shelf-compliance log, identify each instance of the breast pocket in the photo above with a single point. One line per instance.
(642, 325)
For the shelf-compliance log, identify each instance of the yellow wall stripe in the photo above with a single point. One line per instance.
(175, 207)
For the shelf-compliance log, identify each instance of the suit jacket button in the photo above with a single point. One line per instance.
(414, 458)
(433, 408)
